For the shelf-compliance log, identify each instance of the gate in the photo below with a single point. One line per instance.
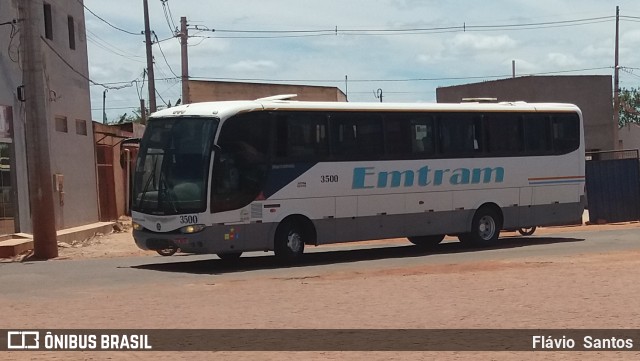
(106, 183)
(613, 186)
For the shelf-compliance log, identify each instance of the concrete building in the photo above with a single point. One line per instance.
(202, 91)
(592, 93)
(629, 136)
(71, 141)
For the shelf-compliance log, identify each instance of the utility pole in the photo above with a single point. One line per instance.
(143, 112)
(45, 245)
(104, 109)
(147, 39)
(184, 35)
(616, 82)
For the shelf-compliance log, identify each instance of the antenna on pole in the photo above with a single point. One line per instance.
(346, 87)
(378, 94)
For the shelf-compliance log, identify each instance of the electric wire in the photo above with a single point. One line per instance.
(106, 22)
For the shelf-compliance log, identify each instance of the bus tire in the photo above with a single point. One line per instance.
(289, 241)
(426, 241)
(167, 251)
(229, 256)
(485, 228)
(527, 231)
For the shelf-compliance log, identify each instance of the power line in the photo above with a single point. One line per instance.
(271, 34)
(111, 48)
(106, 22)
(168, 16)
(81, 74)
(351, 80)
(163, 56)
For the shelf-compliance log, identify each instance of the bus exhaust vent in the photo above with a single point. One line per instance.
(277, 97)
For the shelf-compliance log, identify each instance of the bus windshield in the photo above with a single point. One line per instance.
(173, 166)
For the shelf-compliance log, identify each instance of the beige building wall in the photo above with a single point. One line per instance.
(591, 93)
(72, 152)
(71, 146)
(203, 91)
(629, 136)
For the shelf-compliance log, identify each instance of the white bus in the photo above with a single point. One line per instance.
(276, 175)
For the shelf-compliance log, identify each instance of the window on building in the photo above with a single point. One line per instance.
(48, 22)
(72, 33)
(61, 124)
(81, 127)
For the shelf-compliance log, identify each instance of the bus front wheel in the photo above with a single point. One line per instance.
(426, 241)
(485, 228)
(289, 241)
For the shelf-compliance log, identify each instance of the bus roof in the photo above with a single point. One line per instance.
(224, 109)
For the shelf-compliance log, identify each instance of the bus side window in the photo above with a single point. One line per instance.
(397, 135)
(503, 134)
(536, 134)
(356, 135)
(240, 167)
(566, 132)
(422, 136)
(459, 134)
(301, 136)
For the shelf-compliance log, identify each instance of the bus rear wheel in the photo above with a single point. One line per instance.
(289, 241)
(485, 228)
(426, 241)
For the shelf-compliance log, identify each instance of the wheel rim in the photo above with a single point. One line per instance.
(487, 228)
(294, 241)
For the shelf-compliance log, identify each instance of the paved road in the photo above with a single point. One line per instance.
(35, 279)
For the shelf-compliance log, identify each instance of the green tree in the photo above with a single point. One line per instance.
(629, 109)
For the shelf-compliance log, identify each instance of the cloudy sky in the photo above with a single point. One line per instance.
(407, 48)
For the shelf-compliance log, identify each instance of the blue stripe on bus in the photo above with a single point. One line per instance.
(282, 175)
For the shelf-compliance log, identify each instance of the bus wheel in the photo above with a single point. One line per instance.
(289, 241)
(167, 251)
(230, 256)
(426, 241)
(485, 228)
(527, 231)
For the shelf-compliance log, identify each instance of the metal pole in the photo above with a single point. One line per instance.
(616, 81)
(184, 36)
(148, 43)
(143, 112)
(104, 110)
(37, 132)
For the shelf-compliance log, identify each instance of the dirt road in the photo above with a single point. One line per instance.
(564, 292)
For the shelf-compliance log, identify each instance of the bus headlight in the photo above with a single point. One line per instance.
(194, 228)
(136, 226)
